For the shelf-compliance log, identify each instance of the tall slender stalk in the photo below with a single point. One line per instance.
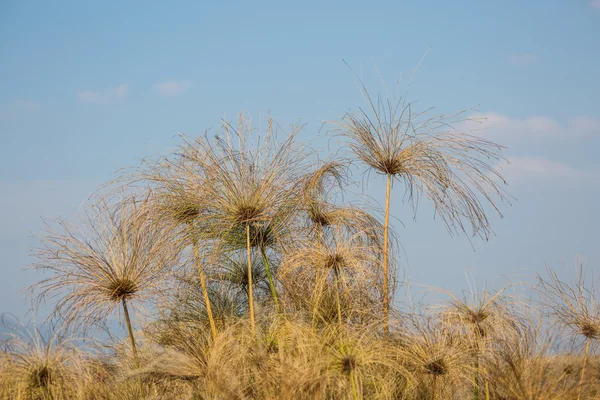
(136, 361)
(585, 358)
(476, 376)
(487, 381)
(269, 276)
(211, 320)
(250, 298)
(433, 387)
(353, 385)
(386, 298)
(476, 369)
(455, 171)
(316, 295)
(337, 296)
(320, 241)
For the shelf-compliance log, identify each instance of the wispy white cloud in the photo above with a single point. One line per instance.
(595, 4)
(172, 88)
(521, 60)
(103, 96)
(533, 169)
(533, 128)
(16, 108)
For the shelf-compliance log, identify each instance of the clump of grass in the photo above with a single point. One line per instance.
(36, 367)
(114, 261)
(440, 359)
(361, 363)
(347, 267)
(575, 305)
(525, 367)
(484, 318)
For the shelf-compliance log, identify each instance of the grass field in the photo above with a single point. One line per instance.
(238, 273)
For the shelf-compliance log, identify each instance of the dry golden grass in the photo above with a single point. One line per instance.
(575, 306)
(261, 283)
(111, 264)
(34, 367)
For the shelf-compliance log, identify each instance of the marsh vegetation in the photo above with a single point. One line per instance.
(239, 272)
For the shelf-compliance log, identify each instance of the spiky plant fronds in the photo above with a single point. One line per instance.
(484, 318)
(208, 367)
(228, 297)
(269, 239)
(231, 273)
(441, 359)
(348, 268)
(114, 260)
(455, 171)
(576, 306)
(318, 190)
(35, 367)
(361, 363)
(178, 187)
(250, 179)
(524, 368)
(320, 183)
(483, 315)
(173, 193)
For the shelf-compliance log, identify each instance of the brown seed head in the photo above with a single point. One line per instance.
(347, 364)
(335, 261)
(41, 377)
(318, 216)
(122, 289)
(187, 213)
(568, 370)
(478, 316)
(389, 166)
(589, 329)
(436, 367)
(247, 213)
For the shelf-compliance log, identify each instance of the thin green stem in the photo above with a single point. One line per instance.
(269, 276)
(250, 298)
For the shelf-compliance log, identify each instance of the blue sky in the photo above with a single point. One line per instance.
(87, 88)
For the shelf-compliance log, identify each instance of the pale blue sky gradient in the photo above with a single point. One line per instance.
(87, 88)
